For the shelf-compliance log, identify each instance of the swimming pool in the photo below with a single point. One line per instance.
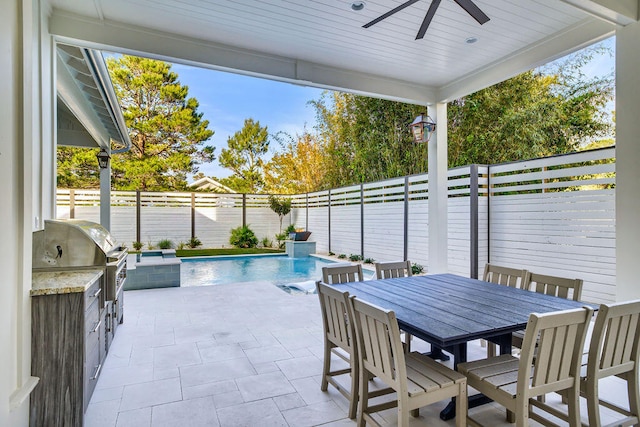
(279, 270)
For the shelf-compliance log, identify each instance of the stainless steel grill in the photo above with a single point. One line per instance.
(79, 245)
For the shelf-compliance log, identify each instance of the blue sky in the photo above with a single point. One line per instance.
(227, 99)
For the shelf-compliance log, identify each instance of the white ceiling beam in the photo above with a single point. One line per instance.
(620, 12)
(587, 32)
(135, 40)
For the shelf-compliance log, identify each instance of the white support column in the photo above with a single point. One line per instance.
(105, 196)
(438, 165)
(627, 161)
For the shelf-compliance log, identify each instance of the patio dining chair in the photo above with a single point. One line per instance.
(416, 379)
(339, 339)
(342, 273)
(614, 350)
(391, 270)
(515, 383)
(503, 276)
(550, 285)
(506, 276)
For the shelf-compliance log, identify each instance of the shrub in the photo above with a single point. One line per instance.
(137, 245)
(342, 256)
(266, 242)
(369, 260)
(290, 229)
(243, 237)
(150, 246)
(353, 257)
(181, 246)
(194, 242)
(280, 238)
(165, 244)
(416, 268)
(331, 253)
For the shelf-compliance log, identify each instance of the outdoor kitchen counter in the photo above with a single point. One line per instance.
(63, 282)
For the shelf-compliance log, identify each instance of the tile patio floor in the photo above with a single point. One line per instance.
(232, 355)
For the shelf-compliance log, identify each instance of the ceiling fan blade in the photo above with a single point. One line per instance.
(473, 10)
(391, 12)
(427, 19)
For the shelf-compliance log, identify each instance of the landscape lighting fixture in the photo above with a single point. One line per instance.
(103, 159)
(422, 128)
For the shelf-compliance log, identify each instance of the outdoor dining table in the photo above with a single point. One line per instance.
(448, 311)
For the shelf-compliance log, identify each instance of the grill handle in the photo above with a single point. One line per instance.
(95, 329)
(95, 376)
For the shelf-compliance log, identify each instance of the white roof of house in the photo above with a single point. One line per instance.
(207, 183)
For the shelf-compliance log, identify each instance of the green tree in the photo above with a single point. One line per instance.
(538, 113)
(367, 139)
(530, 115)
(166, 130)
(281, 206)
(298, 167)
(77, 168)
(244, 156)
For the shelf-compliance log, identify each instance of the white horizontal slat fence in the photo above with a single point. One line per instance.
(557, 216)
(383, 224)
(418, 219)
(553, 215)
(345, 220)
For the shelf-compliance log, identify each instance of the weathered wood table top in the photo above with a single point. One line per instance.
(449, 310)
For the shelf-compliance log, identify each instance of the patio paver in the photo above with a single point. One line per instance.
(232, 355)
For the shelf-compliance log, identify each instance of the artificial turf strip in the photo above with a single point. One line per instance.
(225, 251)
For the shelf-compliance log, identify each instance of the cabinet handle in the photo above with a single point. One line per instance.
(95, 376)
(97, 293)
(97, 326)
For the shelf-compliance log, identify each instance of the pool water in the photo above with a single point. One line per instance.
(278, 270)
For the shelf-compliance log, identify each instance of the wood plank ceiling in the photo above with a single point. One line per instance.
(330, 33)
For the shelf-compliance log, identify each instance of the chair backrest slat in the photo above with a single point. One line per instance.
(342, 274)
(505, 276)
(557, 340)
(615, 342)
(553, 285)
(335, 315)
(379, 342)
(390, 270)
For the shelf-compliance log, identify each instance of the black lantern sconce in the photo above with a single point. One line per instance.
(103, 159)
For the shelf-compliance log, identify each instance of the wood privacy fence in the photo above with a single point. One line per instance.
(554, 215)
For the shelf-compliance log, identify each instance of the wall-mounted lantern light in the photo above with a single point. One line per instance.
(103, 159)
(422, 128)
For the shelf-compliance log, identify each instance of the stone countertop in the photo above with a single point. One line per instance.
(63, 282)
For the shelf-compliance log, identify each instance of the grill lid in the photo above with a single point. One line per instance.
(73, 243)
(94, 231)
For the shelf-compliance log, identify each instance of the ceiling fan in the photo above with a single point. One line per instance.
(467, 5)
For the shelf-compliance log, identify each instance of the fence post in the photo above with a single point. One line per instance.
(329, 219)
(138, 217)
(72, 204)
(473, 218)
(362, 221)
(244, 209)
(488, 213)
(406, 218)
(193, 215)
